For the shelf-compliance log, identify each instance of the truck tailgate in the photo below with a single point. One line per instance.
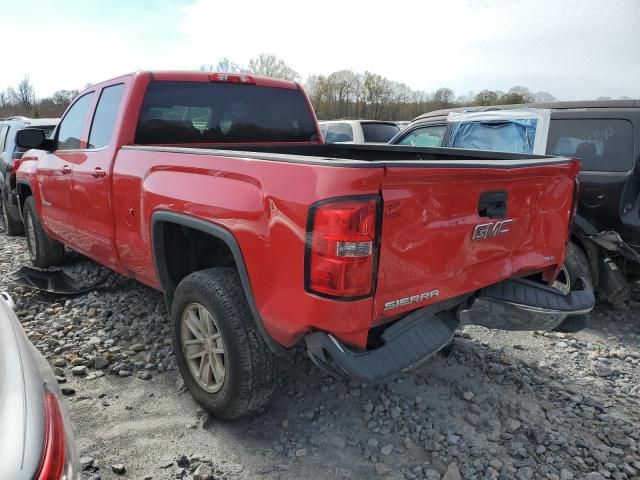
(450, 228)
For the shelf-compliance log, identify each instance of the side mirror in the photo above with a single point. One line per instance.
(33, 138)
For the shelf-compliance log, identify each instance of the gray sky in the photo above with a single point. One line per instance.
(575, 49)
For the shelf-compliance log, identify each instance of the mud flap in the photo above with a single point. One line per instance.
(521, 304)
(54, 281)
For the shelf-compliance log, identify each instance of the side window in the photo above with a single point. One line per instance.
(601, 144)
(72, 124)
(3, 137)
(339, 132)
(424, 137)
(105, 116)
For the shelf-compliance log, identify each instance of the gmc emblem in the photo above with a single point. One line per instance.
(485, 231)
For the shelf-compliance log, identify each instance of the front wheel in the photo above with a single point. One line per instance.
(44, 251)
(225, 363)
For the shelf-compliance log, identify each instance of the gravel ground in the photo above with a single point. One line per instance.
(502, 405)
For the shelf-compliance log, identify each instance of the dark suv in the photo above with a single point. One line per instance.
(10, 155)
(605, 135)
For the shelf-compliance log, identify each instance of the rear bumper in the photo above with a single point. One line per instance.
(521, 304)
(510, 305)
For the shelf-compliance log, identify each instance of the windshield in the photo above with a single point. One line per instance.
(194, 112)
(379, 132)
(514, 136)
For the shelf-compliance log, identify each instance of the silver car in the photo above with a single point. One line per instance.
(36, 439)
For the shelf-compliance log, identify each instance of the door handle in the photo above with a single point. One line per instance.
(66, 170)
(98, 173)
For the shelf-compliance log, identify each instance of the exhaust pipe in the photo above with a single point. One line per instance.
(612, 282)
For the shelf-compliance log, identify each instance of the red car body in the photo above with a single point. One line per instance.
(105, 204)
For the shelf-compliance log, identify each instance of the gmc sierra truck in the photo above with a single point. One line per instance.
(217, 190)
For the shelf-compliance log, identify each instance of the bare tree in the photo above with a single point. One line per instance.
(24, 94)
(485, 97)
(64, 97)
(272, 66)
(543, 97)
(443, 97)
(4, 98)
(223, 65)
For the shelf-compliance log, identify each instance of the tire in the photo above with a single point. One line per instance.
(12, 227)
(44, 251)
(576, 264)
(247, 363)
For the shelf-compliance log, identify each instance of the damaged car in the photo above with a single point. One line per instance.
(604, 135)
(36, 439)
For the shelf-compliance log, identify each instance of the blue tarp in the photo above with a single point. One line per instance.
(514, 136)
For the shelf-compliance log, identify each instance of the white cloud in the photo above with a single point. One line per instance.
(573, 48)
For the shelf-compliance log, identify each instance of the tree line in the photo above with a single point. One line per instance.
(340, 94)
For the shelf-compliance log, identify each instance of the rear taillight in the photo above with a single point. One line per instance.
(15, 166)
(342, 247)
(53, 462)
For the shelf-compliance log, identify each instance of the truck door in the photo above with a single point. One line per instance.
(91, 179)
(55, 169)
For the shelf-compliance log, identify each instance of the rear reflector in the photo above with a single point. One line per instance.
(53, 461)
(232, 78)
(341, 250)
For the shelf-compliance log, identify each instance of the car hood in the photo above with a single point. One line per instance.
(21, 407)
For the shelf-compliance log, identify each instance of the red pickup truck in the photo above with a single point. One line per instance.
(217, 190)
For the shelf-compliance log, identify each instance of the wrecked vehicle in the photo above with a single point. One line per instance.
(604, 135)
(36, 439)
(217, 190)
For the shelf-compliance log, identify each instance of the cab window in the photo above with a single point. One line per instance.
(3, 137)
(430, 136)
(600, 144)
(105, 116)
(70, 131)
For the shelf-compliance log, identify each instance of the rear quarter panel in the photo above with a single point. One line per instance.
(264, 205)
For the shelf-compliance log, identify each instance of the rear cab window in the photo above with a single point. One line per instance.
(181, 112)
(379, 132)
(430, 136)
(600, 144)
(339, 132)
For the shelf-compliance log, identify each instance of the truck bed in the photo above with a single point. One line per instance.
(355, 155)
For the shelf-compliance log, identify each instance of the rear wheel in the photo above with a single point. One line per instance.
(44, 251)
(576, 265)
(225, 363)
(12, 227)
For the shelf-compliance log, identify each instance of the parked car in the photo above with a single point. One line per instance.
(605, 135)
(358, 131)
(36, 438)
(10, 155)
(402, 124)
(261, 236)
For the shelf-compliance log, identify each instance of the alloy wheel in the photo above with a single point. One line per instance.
(563, 282)
(203, 347)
